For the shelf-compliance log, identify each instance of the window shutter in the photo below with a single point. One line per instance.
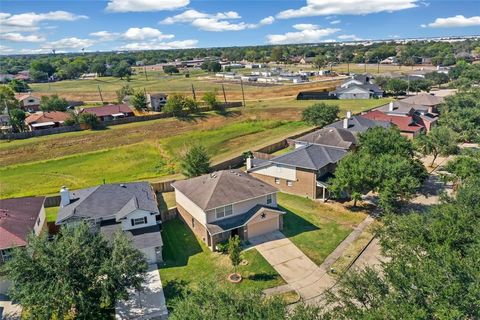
(145, 219)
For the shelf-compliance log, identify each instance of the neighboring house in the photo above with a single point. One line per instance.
(389, 60)
(358, 87)
(358, 124)
(28, 102)
(406, 124)
(420, 114)
(330, 137)
(156, 101)
(307, 60)
(425, 99)
(131, 208)
(19, 217)
(46, 120)
(110, 112)
(222, 204)
(303, 171)
(88, 76)
(4, 77)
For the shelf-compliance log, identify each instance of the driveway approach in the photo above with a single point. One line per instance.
(301, 273)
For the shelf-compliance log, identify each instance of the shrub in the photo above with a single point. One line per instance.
(320, 114)
(90, 120)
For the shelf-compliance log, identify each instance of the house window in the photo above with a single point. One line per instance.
(5, 254)
(289, 183)
(277, 180)
(138, 221)
(224, 211)
(269, 199)
(228, 210)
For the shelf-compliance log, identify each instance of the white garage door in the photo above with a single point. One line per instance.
(262, 227)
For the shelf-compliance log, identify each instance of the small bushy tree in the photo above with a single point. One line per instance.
(195, 162)
(19, 85)
(210, 99)
(139, 100)
(124, 91)
(175, 105)
(320, 114)
(53, 103)
(439, 141)
(234, 250)
(17, 119)
(90, 120)
(170, 69)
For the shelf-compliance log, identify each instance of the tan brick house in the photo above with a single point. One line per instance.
(222, 204)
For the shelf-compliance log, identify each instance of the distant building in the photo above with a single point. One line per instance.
(358, 87)
(358, 124)
(307, 60)
(156, 101)
(28, 102)
(110, 112)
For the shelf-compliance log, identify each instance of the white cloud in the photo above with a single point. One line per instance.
(335, 21)
(145, 33)
(305, 26)
(145, 5)
(69, 43)
(6, 50)
(105, 35)
(308, 33)
(31, 19)
(159, 45)
(350, 37)
(354, 7)
(215, 22)
(452, 22)
(19, 37)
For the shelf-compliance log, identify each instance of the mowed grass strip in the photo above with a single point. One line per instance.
(316, 228)
(123, 164)
(189, 261)
(232, 139)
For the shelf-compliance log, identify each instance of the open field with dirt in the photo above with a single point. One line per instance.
(88, 90)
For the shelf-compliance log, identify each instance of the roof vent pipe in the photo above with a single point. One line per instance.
(345, 123)
(64, 197)
(349, 114)
(390, 106)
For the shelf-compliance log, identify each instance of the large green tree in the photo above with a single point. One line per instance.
(139, 100)
(320, 114)
(19, 85)
(77, 274)
(17, 119)
(7, 98)
(439, 141)
(431, 271)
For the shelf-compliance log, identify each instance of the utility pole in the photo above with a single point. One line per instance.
(100, 93)
(224, 95)
(348, 67)
(145, 71)
(378, 65)
(193, 92)
(243, 94)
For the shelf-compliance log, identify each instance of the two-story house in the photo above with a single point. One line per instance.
(28, 102)
(222, 204)
(19, 217)
(130, 207)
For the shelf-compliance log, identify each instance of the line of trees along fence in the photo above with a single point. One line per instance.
(44, 132)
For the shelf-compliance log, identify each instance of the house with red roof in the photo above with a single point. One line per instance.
(110, 112)
(405, 123)
(18, 218)
(45, 120)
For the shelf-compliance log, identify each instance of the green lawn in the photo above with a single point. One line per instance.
(232, 139)
(51, 214)
(166, 200)
(316, 228)
(123, 164)
(188, 261)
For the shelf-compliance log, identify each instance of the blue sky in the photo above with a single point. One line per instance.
(39, 26)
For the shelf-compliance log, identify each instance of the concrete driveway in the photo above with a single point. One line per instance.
(301, 273)
(146, 304)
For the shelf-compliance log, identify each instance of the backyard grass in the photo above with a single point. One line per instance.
(233, 139)
(123, 164)
(188, 261)
(166, 200)
(51, 214)
(316, 228)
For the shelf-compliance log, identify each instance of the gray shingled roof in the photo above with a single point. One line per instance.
(142, 238)
(368, 87)
(335, 137)
(312, 157)
(110, 200)
(239, 220)
(424, 99)
(221, 188)
(401, 107)
(360, 124)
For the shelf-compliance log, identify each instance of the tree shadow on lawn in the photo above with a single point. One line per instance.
(192, 117)
(179, 244)
(176, 288)
(294, 224)
(261, 277)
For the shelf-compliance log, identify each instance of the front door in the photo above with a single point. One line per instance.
(234, 233)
